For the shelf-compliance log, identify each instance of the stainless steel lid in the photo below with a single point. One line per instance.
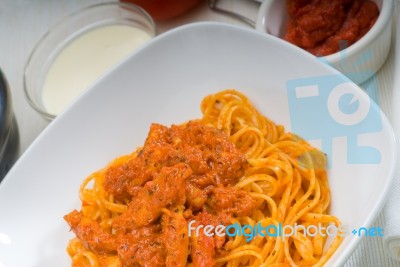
(9, 135)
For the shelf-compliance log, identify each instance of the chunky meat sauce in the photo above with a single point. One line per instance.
(182, 173)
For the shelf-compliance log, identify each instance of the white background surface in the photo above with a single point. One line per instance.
(23, 22)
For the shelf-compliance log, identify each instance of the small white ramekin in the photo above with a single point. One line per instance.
(361, 60)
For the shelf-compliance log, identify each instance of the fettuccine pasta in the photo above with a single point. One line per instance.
(231, 167)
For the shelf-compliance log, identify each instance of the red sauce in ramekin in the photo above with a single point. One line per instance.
(323, 27)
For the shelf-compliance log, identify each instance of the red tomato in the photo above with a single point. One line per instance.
(164, 9)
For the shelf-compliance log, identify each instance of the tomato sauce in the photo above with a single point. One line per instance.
(324, 27)
(182, 173)
(165, 9)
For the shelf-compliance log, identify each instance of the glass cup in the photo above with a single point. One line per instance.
(67, 30)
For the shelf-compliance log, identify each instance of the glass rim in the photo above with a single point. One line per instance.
(69, 20)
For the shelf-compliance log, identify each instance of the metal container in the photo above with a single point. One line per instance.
(9, 135)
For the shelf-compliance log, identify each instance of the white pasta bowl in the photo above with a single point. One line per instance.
(164, 82)
(361, 60)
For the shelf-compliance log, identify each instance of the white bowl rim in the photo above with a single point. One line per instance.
(375, 209)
